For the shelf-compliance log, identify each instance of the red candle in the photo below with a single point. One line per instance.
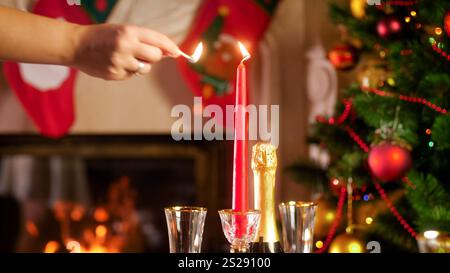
(240, 188)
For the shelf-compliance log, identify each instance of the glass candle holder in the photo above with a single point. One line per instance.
(185, 228)
(433, 241)
(297, 221)
(240, 228)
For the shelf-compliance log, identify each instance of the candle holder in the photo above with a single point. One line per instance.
(185, 228)
(240, 228)
(433, 241)
(297, 221)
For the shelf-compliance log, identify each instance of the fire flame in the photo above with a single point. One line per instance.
(101, 215)
(32, 228)
(51, 247)
(197, 54)
(245, 54)
(73, 247)
(101, 231)
(101, 237)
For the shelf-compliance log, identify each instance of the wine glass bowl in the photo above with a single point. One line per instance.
(240, 228)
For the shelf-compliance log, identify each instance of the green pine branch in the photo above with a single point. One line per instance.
(431, 201)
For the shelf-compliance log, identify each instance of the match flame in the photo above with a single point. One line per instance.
(197, 54)
(245, 54)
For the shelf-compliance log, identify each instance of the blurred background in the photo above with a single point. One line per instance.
(88, 165)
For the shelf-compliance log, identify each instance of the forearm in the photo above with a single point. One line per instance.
(30, 38)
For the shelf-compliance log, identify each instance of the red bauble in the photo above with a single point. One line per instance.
(447, 23)
(343, 57)
(389, 27)
(389, 162)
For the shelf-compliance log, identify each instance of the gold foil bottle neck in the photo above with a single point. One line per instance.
(264, 165)
(264, 156)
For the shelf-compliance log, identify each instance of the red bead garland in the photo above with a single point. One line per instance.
(394, 210)
(348, 108)
(397, 3)
(336, 221)
(409, 182)
(341, 119)
(357, 139)
(422, 101)
(439, 51)
(401, 3)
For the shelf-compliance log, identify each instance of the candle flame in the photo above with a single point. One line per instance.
(244, 52)
(197, 54)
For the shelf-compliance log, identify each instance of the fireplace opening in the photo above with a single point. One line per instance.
(104, 195)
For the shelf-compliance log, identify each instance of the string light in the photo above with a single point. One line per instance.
(407, 19)
(428, 131)
(431, 144)
(391, 81)
(369, 220)
(319, 244)
(413, 13)
(438, 31)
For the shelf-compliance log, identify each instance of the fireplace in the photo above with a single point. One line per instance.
(87, 193)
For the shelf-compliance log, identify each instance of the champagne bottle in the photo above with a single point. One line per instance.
(264, 165)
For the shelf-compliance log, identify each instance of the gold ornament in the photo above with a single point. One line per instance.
(347, 243)
(325, 216)
(358, 8)
(374, 74)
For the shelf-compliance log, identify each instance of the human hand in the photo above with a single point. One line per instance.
(117, 52)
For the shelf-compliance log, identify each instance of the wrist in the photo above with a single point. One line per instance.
(76, 35)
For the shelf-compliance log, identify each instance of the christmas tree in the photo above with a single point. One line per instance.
(390, 135)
